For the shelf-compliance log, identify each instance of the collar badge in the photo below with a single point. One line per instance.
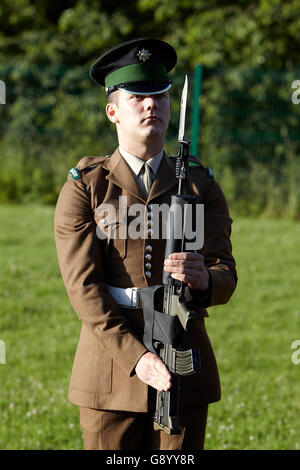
(144, 55)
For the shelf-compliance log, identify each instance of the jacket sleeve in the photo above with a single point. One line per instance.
(217, 248)
(81, 265)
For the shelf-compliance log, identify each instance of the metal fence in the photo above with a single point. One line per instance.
(253, 113)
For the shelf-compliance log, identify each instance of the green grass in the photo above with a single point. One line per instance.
(251, 335)
(40, 331)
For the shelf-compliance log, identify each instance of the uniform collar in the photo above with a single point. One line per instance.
(136, 163)
(120, 174)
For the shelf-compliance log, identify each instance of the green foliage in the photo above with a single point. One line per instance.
(55, 115)
(250, 134)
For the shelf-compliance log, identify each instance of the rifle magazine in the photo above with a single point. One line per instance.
(187, 362)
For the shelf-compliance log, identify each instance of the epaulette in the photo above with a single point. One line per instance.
(85, 165)
(193, 161)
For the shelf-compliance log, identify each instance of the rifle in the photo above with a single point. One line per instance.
(166, 314)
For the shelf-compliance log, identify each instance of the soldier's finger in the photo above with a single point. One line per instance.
(186, 255)
(162, 369)
(182, 262)
(192, 273)
(183, 277)
(157, 387)
(161, 385)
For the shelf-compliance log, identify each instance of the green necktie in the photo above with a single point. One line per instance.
(148, 177)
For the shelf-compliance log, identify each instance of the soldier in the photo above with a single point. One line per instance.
(114, 377)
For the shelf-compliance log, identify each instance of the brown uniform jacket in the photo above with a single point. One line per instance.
(110, 344)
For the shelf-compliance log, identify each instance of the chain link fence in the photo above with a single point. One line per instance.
(250, 135)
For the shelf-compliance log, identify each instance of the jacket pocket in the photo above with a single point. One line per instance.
(112, 233)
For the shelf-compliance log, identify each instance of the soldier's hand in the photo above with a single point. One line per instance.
(188, 267)
(151, 370)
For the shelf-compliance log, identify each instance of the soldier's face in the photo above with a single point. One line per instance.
(140, 117)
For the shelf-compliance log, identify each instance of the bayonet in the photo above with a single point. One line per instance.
(184, 149)
(183, 110)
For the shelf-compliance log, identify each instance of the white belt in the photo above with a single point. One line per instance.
(129, 297)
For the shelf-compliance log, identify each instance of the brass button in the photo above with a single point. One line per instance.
(148, 248)
(148, 274)
(148, 265)
(148, 257)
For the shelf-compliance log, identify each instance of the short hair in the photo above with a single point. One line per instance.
(113, 97)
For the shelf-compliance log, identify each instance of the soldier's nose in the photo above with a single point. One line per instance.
(150, 102)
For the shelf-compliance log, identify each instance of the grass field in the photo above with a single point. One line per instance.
(252, 338)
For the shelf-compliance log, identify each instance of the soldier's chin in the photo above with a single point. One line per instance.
(154, 133)
(154, 126)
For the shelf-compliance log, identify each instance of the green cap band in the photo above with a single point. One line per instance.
(136, 73)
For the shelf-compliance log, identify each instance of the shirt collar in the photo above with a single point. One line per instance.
(137, 163)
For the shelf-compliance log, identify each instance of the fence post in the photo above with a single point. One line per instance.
(2, 352)
(196, 111)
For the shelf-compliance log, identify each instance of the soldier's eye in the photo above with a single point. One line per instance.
(135, 97)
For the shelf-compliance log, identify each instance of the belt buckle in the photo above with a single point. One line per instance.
(135, 297)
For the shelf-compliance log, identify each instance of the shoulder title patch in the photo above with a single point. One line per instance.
(75, 173)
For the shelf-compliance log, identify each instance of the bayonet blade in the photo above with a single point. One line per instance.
(183, 110)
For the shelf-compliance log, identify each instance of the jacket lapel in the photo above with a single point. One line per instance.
(120, 174)
(165, 178)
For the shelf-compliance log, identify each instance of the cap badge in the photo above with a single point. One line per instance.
(144, 55)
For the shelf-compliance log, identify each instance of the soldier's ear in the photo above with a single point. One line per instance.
(111, 113)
